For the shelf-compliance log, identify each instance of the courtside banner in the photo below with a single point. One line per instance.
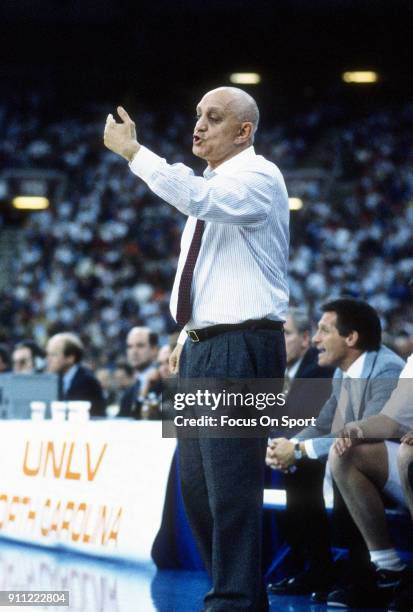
(97, 487)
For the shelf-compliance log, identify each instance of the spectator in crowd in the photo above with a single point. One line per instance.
(28, 358)
(122, 378)
(159, 373)
(5, 361)
(348, 338)
(403, 343)
(105, 376)
(109, 248)
(155, 385)
(76, 382)
(142, 348)
(164, 354)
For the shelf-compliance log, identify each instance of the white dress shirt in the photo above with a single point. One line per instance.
(292, 371)
(142, 376)
(241, 270)
(68, 377)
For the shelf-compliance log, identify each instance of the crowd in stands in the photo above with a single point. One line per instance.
(359, 243)
(102, 259)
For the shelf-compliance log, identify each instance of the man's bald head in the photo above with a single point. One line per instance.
(227, 119)
(241, 104)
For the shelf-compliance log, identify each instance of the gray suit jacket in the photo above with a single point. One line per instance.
(367, 397)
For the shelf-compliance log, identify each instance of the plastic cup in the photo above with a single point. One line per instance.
(58, 410)
(79, 411)
(38, 410)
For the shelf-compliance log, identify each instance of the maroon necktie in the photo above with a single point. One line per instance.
(183, 310)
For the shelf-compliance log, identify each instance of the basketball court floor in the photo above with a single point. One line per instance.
(100, 586)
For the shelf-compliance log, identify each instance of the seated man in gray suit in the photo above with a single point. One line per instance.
(374, 456)
(348, 338)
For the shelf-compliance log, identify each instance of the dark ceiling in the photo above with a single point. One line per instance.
(149, 49)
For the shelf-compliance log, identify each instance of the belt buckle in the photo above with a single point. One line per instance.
(193, 335)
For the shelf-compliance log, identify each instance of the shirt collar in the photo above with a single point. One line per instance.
(234, 163)
(69, 376)
(356, 368)
(292, 371)
(140, 375)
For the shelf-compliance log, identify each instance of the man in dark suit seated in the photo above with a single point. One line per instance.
(307, 386)
(349, 338)
(76, 382)
(303, 400)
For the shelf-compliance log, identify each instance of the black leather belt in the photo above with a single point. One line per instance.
(197, 335)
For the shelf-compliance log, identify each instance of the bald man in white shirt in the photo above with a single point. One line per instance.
(230, 296)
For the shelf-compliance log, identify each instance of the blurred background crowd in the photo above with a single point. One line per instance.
(102, 258)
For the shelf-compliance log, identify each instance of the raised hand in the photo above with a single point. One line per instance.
(121, 137)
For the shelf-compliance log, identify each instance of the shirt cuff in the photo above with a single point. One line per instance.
(309, 449)
(144, 164)
(182, 337)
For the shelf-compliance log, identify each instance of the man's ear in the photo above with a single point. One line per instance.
(244, 132)
(352, 339)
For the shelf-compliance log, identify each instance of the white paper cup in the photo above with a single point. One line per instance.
(38, 410)
(58, 410)
(79, 411)
(112, 411)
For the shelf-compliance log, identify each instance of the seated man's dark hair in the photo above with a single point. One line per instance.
(357, 315)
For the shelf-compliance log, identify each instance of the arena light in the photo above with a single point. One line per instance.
(245, 78)
(295, 203)
(360, 76)
(30, 203)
